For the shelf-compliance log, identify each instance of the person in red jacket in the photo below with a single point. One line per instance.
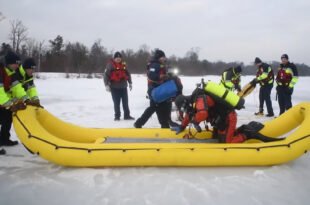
(116, 80)
(200, 107)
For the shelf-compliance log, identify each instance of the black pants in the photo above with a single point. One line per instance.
(264, 96)
(118, 95)
(284, 98)
(163, 111)
(6, 124)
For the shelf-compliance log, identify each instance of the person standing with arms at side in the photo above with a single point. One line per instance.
(156, 75)
(265, 78)
(231, 78)
(116, 79)
(286, 79)
(12, 96)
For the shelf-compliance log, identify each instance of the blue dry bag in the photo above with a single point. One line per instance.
(165, 91)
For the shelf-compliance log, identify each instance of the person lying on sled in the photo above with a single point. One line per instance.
(200, 107)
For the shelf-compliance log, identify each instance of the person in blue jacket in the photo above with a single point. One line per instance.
(156, 75)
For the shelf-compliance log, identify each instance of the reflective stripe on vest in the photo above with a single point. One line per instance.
(265, 77)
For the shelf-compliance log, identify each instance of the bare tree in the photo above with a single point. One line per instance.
(18, 34)
(40, 55)
(2, 17)
(31, 46)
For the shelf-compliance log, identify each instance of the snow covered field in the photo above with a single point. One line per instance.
(28, 179)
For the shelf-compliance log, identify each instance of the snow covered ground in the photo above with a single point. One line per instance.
(28, 179)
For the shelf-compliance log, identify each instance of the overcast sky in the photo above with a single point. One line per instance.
(227, 30)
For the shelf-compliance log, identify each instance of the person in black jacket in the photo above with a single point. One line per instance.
(265, 78)
(286, 79)
(156, 74)
(116, 79)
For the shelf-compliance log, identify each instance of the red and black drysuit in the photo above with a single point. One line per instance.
(204, 108)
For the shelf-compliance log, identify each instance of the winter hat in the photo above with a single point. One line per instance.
(238, 69)
(11, 58)
(158, 54)
(257, 60)
(284, 56)
(29, 63)
(117, 55)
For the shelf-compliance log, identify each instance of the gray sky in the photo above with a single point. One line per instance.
(227, 30)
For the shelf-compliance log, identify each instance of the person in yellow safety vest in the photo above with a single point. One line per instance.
(26, 73)
(265, 78)
(12, 96)
(231, 78)
(286, 79)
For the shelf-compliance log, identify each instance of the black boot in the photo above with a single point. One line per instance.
(129, 118)
(2, 152)
(9, 143)
(137, 124)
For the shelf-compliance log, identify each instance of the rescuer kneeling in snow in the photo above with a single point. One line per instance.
(200, 107)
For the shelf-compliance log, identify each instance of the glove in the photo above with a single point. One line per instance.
(130, 86)
(18, 106)
(253, 82)
(108, 88)
(35, 103)
(177, 129)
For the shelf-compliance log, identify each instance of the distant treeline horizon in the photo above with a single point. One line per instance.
(77, 58)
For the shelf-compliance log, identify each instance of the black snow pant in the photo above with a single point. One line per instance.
(284, 98)
(6, 124)
(163, 111)
(118, 95)
(264, 96)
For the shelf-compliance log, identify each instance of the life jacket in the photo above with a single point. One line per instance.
(283, 77)
(231, 83)
(224, 96)
(268, 80)
(162, 71)
(118, 72)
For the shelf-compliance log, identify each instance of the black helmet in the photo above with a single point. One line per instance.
(238, 69)
(29, 63)
(181, 101)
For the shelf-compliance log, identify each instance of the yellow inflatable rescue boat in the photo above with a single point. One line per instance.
(70, 145)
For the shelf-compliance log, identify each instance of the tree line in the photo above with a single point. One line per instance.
(75, 57)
